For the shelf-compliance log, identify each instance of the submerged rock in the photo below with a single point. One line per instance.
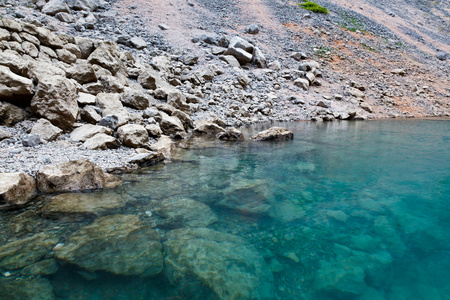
(26, 288)
(119, 244)
(274, 133)
(182, 212)
(84, 204)
(200, 259)
(26, 251)
(251, 196)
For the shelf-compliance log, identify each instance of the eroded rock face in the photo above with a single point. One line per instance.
(274, 133)
(119, 244)
(56, 100)
(75, 205)
(226, 264)
(16, 189)
(77, 175)
(26, 251)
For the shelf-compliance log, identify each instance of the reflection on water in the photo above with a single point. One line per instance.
(347, 210)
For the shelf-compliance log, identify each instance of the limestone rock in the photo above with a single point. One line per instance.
(240, 54)
(170, 124)
(77, 175)
(101, 141)
(147, 159)
(12, 84)
(138, 43)
(240, 43)
(46, 130)
(76, 205)
(26, 251)
(258, 58)
(226, 264)
(82, 73)
(29, 288)
(357, 93)
(207, 127)
(119, 244)
(87, 131)
(5, 135)
(133, 135)
(153, 130)
(84, 98)
(109, 101)
(16, 189)
(302, 83)
(37, 70)
(231, 60)
(230, 134)
(150, 79)
(165, 146)
(56, 100)
(135, 98)
(90, 114)
(183, 212)
(12, 60)
(274, 133)
(86, 46)
(107, 55)
(10, 114)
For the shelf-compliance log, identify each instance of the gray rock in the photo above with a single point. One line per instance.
(154, 130)
(138, 43)
(298, 56)
(109, 101)
(132, 135)
(252, 29)
(107, 55)
(163, 27)
(16, 189)
(82, 73)
(231, 60)
(86, 99)
(45, 130)
(231, 134)
(190, 60)
(248, 196)
(86, 46)
(110, 121)
(165, 146)
(207, 127)
(91, 115)
(129, 249)
(441, 55)
(302, 83)
(241, 55)
(77, 175)
(31, 140)
(275, 65)
(170, 124)
(65, 17)
(55, 6)
(66, 56)
(258, 58)
(135, 97)
(324, 103)
(37, 70)
(188, 251)
(150, 79)
(356, 93)
(4, 134)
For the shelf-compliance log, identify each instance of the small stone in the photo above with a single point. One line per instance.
(31, 140)
(163, 27)
(252, 29)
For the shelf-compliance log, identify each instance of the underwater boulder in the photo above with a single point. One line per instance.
(26, 288)
(119, 244)
(204, 262)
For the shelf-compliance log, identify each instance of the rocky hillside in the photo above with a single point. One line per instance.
(98, 74)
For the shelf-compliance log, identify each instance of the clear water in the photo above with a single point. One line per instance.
(347, 210)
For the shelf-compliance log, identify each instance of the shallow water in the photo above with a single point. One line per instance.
(347, 210)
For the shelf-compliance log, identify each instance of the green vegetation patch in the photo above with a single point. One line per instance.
(352, 24)
(314, 7)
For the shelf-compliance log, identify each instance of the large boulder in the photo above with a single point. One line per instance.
(183, 212)
(56, 100)
(12, 84)
(274, 133)
(46, 130)
(77, 175)
(231, 134)
(37, 70)
(107, 55)
(248, 196)
(77, 205)
(82, 73)
(228, 266)
(12, 60)
(150, 79)
(26, 251)
(207, 127)
(16, 189)
(135, 97)
(132, 135)
(119, 244)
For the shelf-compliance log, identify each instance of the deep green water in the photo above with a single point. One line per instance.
(347, 210)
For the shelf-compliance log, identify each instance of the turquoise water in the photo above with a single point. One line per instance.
(347, 210)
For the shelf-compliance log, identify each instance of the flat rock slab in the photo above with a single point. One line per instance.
(226, 264)
(84, 204)
(119, 244)
(27, 251)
